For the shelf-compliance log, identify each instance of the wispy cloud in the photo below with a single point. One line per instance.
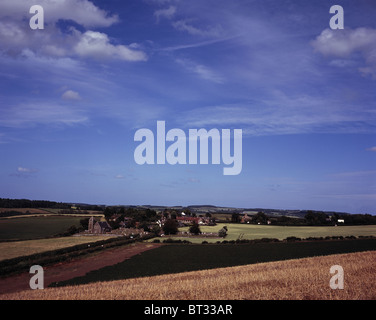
(373, 149)
(186, 25)
(26, 170)
(23, 172)
(167, 13)
(197, 44)
(279, 115)
(354, 174)
(71, 95)
(202, 71)
(25, 115)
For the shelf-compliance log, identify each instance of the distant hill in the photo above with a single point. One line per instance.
(198, 209)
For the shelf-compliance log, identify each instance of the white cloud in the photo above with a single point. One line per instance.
(344, 43)
(83, 12)
(97, 45)
(26, 170)
(71, 95)
(165, 13)
(23, 172)
(373, 149)
(16, 35)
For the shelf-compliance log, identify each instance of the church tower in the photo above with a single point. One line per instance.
(91, 225)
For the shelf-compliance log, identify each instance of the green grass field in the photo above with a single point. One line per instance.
(251, 231)
(35, 227)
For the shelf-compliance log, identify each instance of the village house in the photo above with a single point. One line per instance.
(102, 227)
(187, 220)
(246, 219)
(98, 227)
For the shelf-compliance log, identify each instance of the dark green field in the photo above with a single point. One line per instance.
(35, 227)
(176, 258)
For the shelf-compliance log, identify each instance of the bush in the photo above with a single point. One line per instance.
(223, 232)
(290, 239)
(195, 228)
(170, 227)
(169, 240)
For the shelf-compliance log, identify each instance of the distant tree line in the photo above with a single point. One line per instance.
(26, 203)
(359, 219)
(319, 218)
(311, 218)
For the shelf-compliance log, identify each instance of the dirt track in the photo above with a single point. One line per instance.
(74, 268)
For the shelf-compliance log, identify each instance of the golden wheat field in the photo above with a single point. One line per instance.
(298, 279)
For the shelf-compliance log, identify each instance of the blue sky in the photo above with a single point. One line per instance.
(73, 95)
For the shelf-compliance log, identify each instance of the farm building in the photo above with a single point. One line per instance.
(187, 220)
(98, 227)
(102, 227)
(91, 225)
(246, 218)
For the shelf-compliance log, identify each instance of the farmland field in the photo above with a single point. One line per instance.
(15, 249)
(181, 258)
(251, 231)
(300, 279)
(35, 227)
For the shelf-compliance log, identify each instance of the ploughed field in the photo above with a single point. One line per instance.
(306, 278)
(175, 258)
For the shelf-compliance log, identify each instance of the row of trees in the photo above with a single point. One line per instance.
(134, 216)
(259, 217)
(171, 227)
(25, 203)
(311, 218)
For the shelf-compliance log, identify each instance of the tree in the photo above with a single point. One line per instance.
(223, 232)
(235, 217)
(156, 230)
(259, 217)
(195, 228)
(85, 223)
(316, 218)
(144, 225)
(108, 212)
(170, 226)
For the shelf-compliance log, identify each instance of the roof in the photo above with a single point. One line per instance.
(187, 218)
(103, 224)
